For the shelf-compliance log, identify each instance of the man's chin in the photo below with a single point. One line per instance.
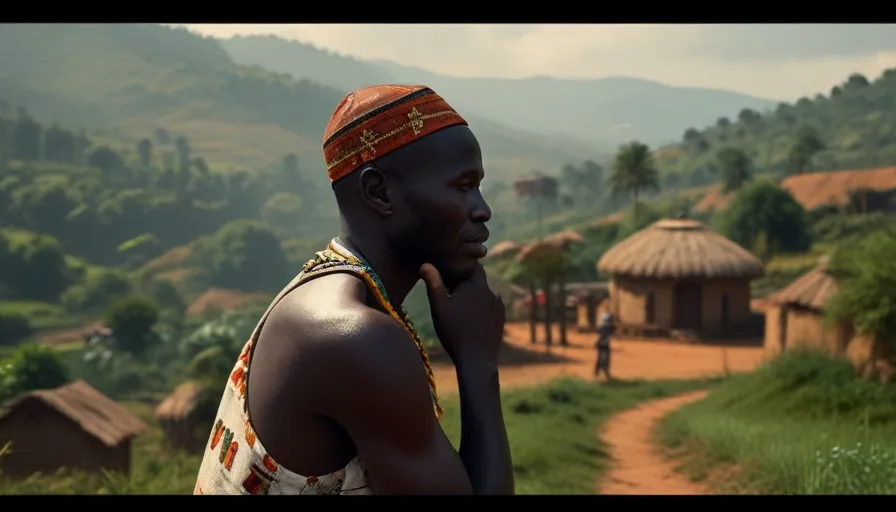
(456, 274)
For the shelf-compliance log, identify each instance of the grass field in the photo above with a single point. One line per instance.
(552, 432)
(803, 424)
(42, 315)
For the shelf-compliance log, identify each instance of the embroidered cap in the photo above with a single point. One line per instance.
(375, 121)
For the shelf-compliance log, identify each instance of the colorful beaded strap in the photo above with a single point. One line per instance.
(337, 255)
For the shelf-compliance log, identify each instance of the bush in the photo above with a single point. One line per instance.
(14, 327)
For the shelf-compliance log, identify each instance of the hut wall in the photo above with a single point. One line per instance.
(806, 329)
(582, 321)
(629, 301)
(43, 440)
(738, 293)
(775, 330)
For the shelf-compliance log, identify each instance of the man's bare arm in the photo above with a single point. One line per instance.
(484, 447)
(390, 416)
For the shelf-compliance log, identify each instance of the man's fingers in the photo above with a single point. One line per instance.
(435, 287)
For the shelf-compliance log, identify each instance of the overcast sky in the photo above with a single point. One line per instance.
(781, 62)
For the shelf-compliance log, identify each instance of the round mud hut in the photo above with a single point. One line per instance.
(679, 275)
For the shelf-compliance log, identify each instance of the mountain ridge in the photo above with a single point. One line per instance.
(594, 111)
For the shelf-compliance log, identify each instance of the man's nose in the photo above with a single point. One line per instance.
(481, 211)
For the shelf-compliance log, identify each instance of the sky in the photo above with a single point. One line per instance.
(780, 61)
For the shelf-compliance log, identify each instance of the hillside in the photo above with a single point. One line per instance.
(855, 124)
(604, 112)
(131, 79)
(815, 189)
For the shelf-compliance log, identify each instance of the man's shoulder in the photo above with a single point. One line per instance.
(329, 315)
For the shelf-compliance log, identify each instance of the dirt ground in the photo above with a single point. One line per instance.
(638, 466)
(631, 359)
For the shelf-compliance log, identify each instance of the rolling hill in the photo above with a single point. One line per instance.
(130, 79)
(855, 123)
(604, 112)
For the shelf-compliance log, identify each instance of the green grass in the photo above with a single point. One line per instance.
(552, 430)
(803, 424)
(42, 315)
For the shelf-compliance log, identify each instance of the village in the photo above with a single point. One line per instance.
(680, 293)
(746, 268)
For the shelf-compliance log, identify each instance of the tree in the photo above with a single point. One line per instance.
(806, 145)
(866, 285)
(144, 150)
(767, 219)
(242, 255)
(735, 167)
(132, 319)
(30, 367)
(634, 171)
(282, 211)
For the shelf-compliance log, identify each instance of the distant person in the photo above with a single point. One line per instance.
(341, 398)
(604, 331)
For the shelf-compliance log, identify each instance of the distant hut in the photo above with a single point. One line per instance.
(677, 274)
(795, 320)
(503, 248)
(186, 416)
(587, 299)
(73, 426)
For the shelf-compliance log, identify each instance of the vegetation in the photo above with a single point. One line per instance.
(866, 292)
(551, 430)
(850, 128)
(803, 424)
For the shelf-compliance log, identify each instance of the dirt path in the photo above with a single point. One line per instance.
(638, 466)
(632, 359)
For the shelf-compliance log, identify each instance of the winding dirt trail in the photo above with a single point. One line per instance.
(531, 365)
(638, 466)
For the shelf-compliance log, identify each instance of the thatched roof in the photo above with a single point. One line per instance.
(180, 403)
(504, 248)
(679, 249)
(548, 246)
(93, 411)
(812, 290)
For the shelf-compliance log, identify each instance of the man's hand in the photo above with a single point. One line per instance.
(470, 321)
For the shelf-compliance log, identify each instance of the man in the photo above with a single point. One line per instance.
(604, 331)
(340, 398)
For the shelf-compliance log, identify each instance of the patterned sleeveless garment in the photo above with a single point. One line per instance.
(235, 462)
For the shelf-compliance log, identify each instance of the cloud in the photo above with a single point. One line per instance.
(772, 61)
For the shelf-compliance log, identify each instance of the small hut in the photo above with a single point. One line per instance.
(73, 426)
(186, 415)
(795, 320)
(677, 274)
(587, 299)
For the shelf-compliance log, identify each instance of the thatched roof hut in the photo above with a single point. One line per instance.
(677, 274)
(548, 247)
(91, 431)
(812, 290)
(680, 249)
(795, 320)
(186, 415)
(503, 248)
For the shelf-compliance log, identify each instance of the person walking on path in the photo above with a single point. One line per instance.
(604, 330)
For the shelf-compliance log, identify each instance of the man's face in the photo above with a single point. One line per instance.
(440, 213)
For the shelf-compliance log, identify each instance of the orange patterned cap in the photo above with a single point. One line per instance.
(375, 121)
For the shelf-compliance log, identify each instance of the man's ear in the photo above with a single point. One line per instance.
(375, 191)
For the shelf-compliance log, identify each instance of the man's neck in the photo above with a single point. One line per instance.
(398, 281)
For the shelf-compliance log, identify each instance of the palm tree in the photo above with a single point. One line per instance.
(634, 171)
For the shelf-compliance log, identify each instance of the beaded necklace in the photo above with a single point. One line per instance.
(338, 256)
